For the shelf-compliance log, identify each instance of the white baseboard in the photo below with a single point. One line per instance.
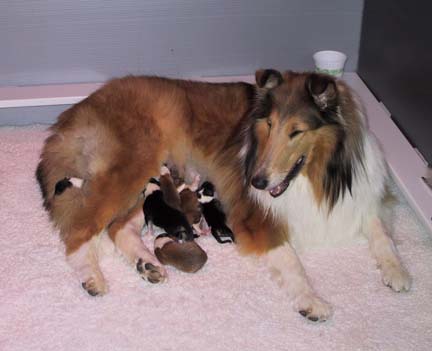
(69, 94)
(406, 166)
(45, 95)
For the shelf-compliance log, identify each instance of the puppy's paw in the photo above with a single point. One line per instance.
(312, 307)
(396, 277)
(95, 286)
(150, 272)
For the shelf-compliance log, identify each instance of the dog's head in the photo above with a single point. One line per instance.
(298, 126)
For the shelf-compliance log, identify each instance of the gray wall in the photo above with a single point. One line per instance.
(58, 41)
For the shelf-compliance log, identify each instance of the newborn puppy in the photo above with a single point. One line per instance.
(186, 201)
(192, 209)
(214, 214)
(187, 257)
(169, 190)
(190, 206)
(157, 212)
(176, 175)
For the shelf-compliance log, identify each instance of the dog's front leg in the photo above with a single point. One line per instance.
(287, 268)
(394, 275)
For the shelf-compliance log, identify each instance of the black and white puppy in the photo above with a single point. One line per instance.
(157, 212)
(214, 214)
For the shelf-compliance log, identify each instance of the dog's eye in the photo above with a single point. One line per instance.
(295, 133)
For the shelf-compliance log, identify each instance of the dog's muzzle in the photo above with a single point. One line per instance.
(295, 170)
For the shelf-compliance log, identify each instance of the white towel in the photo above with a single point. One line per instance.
(231, 304)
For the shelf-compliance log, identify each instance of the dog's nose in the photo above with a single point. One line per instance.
(259, 181)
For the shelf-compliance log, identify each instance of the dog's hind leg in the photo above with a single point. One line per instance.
(290, 274)
(107, 196)
(126, 235)
(84, 261)
(394, 275)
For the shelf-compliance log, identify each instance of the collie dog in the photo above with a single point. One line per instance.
(290, 156)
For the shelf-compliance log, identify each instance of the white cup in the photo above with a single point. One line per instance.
(330, 62)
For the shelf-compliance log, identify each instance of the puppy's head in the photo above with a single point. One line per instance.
(206, 192)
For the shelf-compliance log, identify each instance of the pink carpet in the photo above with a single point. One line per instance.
(231, 304)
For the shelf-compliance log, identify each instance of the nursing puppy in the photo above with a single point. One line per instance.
(214, 214)
(299, 138)
(187, 256)
(170, 193)
(157, 212)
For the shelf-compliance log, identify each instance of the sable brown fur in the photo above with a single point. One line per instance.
(120, 222)
(118, 137)
(237, 134)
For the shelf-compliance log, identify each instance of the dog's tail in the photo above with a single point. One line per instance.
(54, 184)
(42, 180)
(60, 161)
(52, 172)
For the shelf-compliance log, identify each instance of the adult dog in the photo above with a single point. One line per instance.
(298, 138)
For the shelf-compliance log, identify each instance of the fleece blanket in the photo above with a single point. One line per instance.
(231, 304)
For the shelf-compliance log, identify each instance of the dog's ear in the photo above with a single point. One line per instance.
(268, 78)
(323, 90)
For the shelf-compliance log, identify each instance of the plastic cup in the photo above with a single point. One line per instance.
(330, 62)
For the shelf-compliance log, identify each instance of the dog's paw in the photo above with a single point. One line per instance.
(396, 277)
(150, 272)
(312, 307)
(95, 286)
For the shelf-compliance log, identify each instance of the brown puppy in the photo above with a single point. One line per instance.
(187, 256)
(190, 206)
(169, 190)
